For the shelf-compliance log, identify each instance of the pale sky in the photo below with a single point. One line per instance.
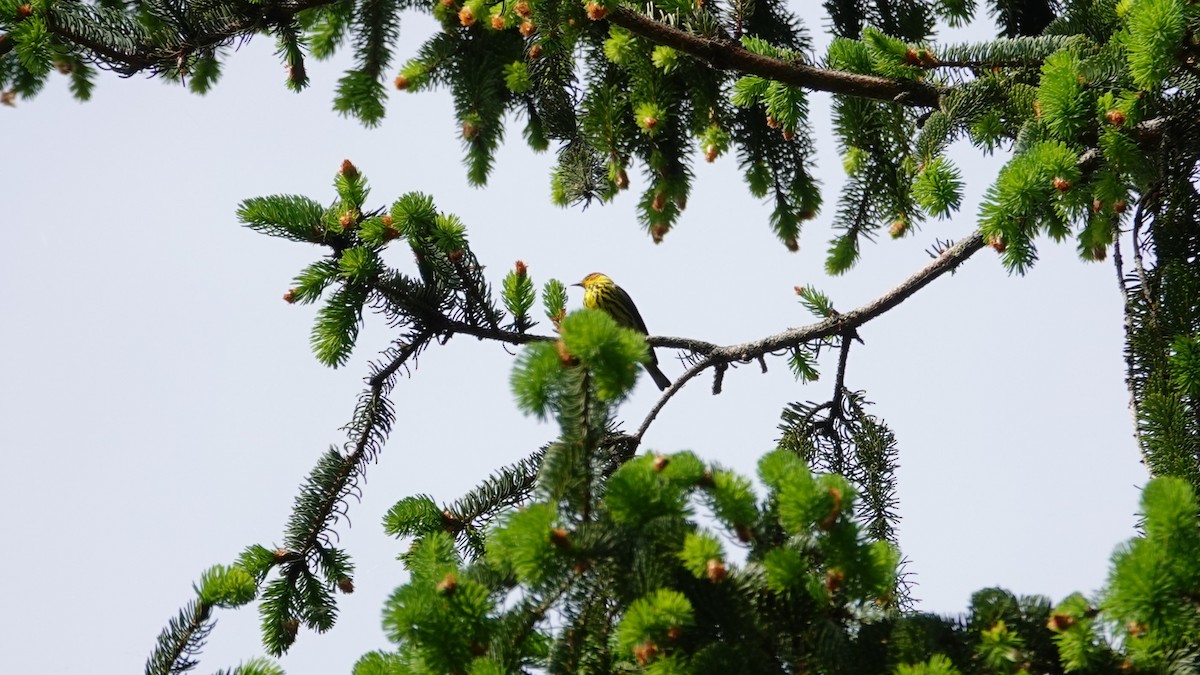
(161, 405)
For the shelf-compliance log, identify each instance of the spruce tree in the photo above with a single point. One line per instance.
(588, 556)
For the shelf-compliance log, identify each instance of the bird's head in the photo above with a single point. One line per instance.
(594, 279)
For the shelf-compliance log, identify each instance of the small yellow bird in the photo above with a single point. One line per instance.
(600, 292)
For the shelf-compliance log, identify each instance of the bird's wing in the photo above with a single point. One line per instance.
(626, 301)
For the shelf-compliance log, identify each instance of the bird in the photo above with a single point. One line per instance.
(602, 293)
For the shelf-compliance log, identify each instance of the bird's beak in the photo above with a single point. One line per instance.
(578, 284)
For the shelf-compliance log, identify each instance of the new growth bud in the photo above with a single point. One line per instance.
(715, 571)
(596, 11)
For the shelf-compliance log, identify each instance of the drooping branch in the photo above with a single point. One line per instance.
(252, 18)
(728, 55)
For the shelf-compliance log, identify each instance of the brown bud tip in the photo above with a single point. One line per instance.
(401, 82)
(345, 585)
(791, 244)
(559, 537)
(290, 296)
(1097, 206)
(622, 180)
(711, 152)
(1099, 252)
(834, 579)
(521, 269)
(660, 201)
(657, 233)
(24, 11)
(1115, 117)
(448, 3)
(661, 462)
(681, 202)
(1135, 629)
(281, 554)
(296, 72)
(788, 135)
(744, 533)
(834, 511)
(498, 22)
(346, 220)
(466, 17)
(997, 243)
(807, 214)
(595, 11)
(898, 228)
(387, 220)
(912, 58)
(64, 67)
(1060, 622)
(470, 130)
(927, 58)
(535, 52)
(649, 121)
(349, 170)
(564, 356)
(522, 9)
(9, 98)
(674, 633)
(450, 522)
(581, 567)
(706, 480)
(1119, 206)
(715, 570)
(527, 28)
(645, 652)
(456, 255)
(291, 627)
(1061, 184)
(1037, 110)
(772, 122)
(448, 584)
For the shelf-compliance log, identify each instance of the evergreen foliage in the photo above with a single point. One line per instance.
(586, 557)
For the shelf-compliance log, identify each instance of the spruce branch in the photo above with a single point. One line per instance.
(727, 55)
(181, 640)
(167, 55)
(842, 324)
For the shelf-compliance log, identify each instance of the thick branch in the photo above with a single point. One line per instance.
(839, 325)
(728, 55)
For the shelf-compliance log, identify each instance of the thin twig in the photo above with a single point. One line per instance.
(1130, 384)
(839, 384)
(842, 324)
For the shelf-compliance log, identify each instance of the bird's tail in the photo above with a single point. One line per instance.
(657, 375)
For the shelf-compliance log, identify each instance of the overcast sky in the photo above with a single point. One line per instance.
(160, 404)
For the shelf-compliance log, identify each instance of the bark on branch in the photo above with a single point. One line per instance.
(729, 55)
